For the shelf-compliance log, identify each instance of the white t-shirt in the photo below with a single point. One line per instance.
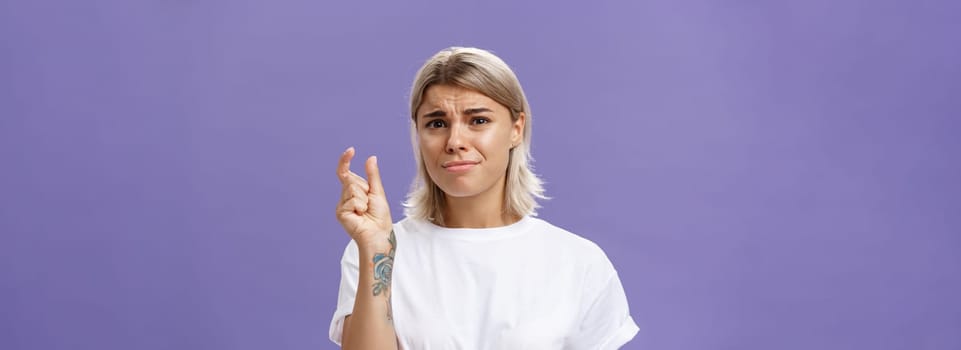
(528, 285)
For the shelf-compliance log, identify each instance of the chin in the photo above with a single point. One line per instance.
(459, 191)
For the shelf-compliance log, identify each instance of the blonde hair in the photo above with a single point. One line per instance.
(481, 71)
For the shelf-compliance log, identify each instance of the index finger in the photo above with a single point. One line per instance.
(373, 176)
(343, 166)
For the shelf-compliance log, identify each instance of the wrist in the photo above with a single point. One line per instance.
(379, 244)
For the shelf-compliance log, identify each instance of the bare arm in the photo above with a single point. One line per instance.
(372, 311)
(364, 213)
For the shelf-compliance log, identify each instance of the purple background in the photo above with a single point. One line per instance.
(764, 174)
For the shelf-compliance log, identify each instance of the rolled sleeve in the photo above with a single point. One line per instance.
(349, 274)
(607, 323)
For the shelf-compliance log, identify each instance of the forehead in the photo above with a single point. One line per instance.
(452, 96)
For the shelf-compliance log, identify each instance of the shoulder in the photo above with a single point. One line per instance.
(406, 224)
(572, 245)
(560, 236)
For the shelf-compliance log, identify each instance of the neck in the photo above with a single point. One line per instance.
(481, 211)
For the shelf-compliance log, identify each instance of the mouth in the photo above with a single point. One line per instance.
(458, 166)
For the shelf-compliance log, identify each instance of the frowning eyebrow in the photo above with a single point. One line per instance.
(469, 111)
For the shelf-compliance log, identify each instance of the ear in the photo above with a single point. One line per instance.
(517, 129)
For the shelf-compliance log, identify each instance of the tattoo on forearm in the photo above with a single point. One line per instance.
(383, 268)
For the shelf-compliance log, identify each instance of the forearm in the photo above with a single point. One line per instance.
(370, 326)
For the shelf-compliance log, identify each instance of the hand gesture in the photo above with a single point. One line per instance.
(363, 209)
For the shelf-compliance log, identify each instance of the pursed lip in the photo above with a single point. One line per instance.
(458, 162)
(459, 165)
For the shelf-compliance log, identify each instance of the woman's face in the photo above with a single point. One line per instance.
(465, 140)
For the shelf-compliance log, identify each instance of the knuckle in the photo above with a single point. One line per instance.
(361, 188)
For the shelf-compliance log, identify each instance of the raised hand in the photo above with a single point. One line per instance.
(363, 209)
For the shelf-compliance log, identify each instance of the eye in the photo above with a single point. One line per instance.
(436, 123)
(480, 121)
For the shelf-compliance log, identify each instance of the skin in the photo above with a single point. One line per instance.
(465, 140)
(458, 124)
(364, 214)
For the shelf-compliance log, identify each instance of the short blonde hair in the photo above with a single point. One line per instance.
(481, 71)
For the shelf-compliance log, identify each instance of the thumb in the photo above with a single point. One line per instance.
(373, 176)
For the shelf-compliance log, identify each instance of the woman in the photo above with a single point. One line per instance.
(474, 268)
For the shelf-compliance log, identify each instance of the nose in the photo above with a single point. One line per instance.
(457, 140)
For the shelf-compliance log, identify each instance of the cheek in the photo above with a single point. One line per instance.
(427, 145)
(497, 142)
(431, 149)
